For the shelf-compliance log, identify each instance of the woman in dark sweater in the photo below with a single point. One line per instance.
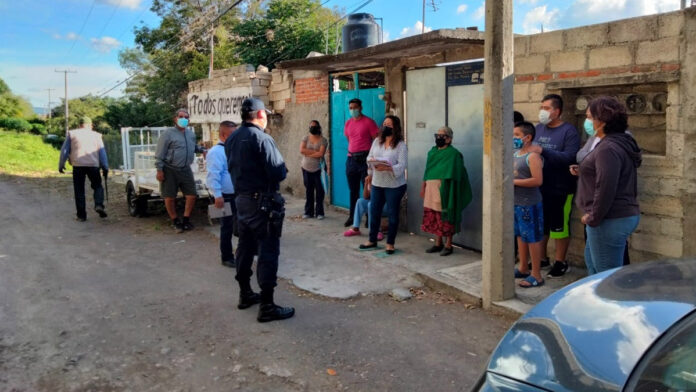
(607, 188)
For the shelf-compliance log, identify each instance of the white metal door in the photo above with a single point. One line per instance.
(425, 114)
(465, 112)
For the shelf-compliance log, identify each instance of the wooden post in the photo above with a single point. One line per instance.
(498, 248)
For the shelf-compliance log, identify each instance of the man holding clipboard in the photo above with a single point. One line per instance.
(220, 183)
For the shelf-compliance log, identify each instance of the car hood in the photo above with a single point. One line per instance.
(589, 335)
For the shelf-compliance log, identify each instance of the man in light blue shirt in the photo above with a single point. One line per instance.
(220, 184)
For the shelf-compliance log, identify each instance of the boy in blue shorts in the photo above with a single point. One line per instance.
(529, 212)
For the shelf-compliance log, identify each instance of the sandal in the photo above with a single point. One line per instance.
(520, 275)
(531, 282)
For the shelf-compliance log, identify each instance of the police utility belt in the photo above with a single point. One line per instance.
(272, 205)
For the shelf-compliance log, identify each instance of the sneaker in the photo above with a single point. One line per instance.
(305, 216)
(380, 236)
(80, 218)
(187, 225)
(351, 232)
(100, 211)
(178, 225)
(320, 217)
(229, 263)
(272, 312)
(559, 269)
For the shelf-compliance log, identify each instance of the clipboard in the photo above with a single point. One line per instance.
(376, 162)
(215, 213)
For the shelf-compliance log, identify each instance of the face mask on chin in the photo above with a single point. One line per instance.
(544, 117)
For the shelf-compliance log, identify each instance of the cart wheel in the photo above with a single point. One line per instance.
(136, 205)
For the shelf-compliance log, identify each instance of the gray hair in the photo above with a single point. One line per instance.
(448, 131)
(181, 110)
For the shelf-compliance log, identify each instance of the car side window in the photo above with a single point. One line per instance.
(670, 365)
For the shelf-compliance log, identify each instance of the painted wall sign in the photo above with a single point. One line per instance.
(217, 105)
(465, 74)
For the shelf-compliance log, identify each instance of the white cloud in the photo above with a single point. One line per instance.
(462, 9)
(69, 36)
(480, 11)
(386, 37)
(540, 17)
(132, 4)
(105, 44)
(532, 2)
(32, 81)
(598, 11)
(415, 29)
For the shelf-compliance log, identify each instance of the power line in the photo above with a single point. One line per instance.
(110, 18)
(81, 28)
(236, 3)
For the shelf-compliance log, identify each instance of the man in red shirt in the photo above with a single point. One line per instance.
(360, 131)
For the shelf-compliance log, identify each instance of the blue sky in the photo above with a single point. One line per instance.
(40, 36)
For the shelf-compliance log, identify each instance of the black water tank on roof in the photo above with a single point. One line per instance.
(360, 31)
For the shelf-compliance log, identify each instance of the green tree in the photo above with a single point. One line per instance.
(86, 106)
(285, 29)
(12, 105)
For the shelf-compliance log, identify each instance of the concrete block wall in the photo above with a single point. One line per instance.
(620, 52)
(239, 76)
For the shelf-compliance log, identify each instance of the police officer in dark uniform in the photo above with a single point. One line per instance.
(257, 168)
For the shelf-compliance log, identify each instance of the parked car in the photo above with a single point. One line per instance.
(628, 329)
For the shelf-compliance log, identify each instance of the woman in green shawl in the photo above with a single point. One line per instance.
(445, 192)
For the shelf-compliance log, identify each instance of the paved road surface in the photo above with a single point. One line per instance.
(124, 304)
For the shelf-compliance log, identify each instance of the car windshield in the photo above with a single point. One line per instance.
(671, 365)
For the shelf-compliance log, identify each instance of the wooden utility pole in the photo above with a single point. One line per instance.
(49, 108)
(66, 72)
(498, 282)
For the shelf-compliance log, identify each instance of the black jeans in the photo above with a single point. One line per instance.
(227, 229)
(252, 224)
(79, 173)
(314, 193)
(356, 171)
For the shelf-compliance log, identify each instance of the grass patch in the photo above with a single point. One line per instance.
(24, 154)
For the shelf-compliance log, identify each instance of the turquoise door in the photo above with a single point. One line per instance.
(373, 107)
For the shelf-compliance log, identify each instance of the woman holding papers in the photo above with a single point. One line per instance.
(387, 162)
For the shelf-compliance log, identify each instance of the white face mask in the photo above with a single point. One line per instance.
(544, 116)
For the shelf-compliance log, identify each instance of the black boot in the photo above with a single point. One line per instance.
(248, 299)
(269, 311)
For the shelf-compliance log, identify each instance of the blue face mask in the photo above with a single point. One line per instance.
(589, 127)
(355, 113)
(517, 143)
(182, 122)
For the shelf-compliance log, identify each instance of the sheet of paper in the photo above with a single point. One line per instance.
(214, 212)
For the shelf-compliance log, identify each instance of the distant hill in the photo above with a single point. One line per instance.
(40, 111)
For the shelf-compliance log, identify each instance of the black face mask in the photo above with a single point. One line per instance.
(387, 131)
(440, 141)
(315, 130)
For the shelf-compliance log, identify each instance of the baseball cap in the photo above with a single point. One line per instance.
(254, 104)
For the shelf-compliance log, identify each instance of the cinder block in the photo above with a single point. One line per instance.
(589, 36)
(671, 187)
(670, 25)
(258, 91)
(661, 205)
(521, 92)
(530, 64)
(285, 85)
(521, 45)
(675, 141)
(568, 61)
(636, 29)
(661, 51)
(649, 224)
(280, 95)
(537, 92)
(672, 227)
(659, 244)
(530, 110)
(278, 105)
(546, 42)
(611, 56)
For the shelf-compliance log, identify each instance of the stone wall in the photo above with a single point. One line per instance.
(641, 53)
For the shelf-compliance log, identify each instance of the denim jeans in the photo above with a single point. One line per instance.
(314, 193)
(605, 244)
(392, 197)
(356, 171)
(362, 207)
(79, 174)
(227, 230)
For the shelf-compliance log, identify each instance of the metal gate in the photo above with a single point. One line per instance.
(450, 96)
(373, 107)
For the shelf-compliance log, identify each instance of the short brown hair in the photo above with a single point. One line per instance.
(611, 112)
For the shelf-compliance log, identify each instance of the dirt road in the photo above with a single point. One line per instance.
(124, 304)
